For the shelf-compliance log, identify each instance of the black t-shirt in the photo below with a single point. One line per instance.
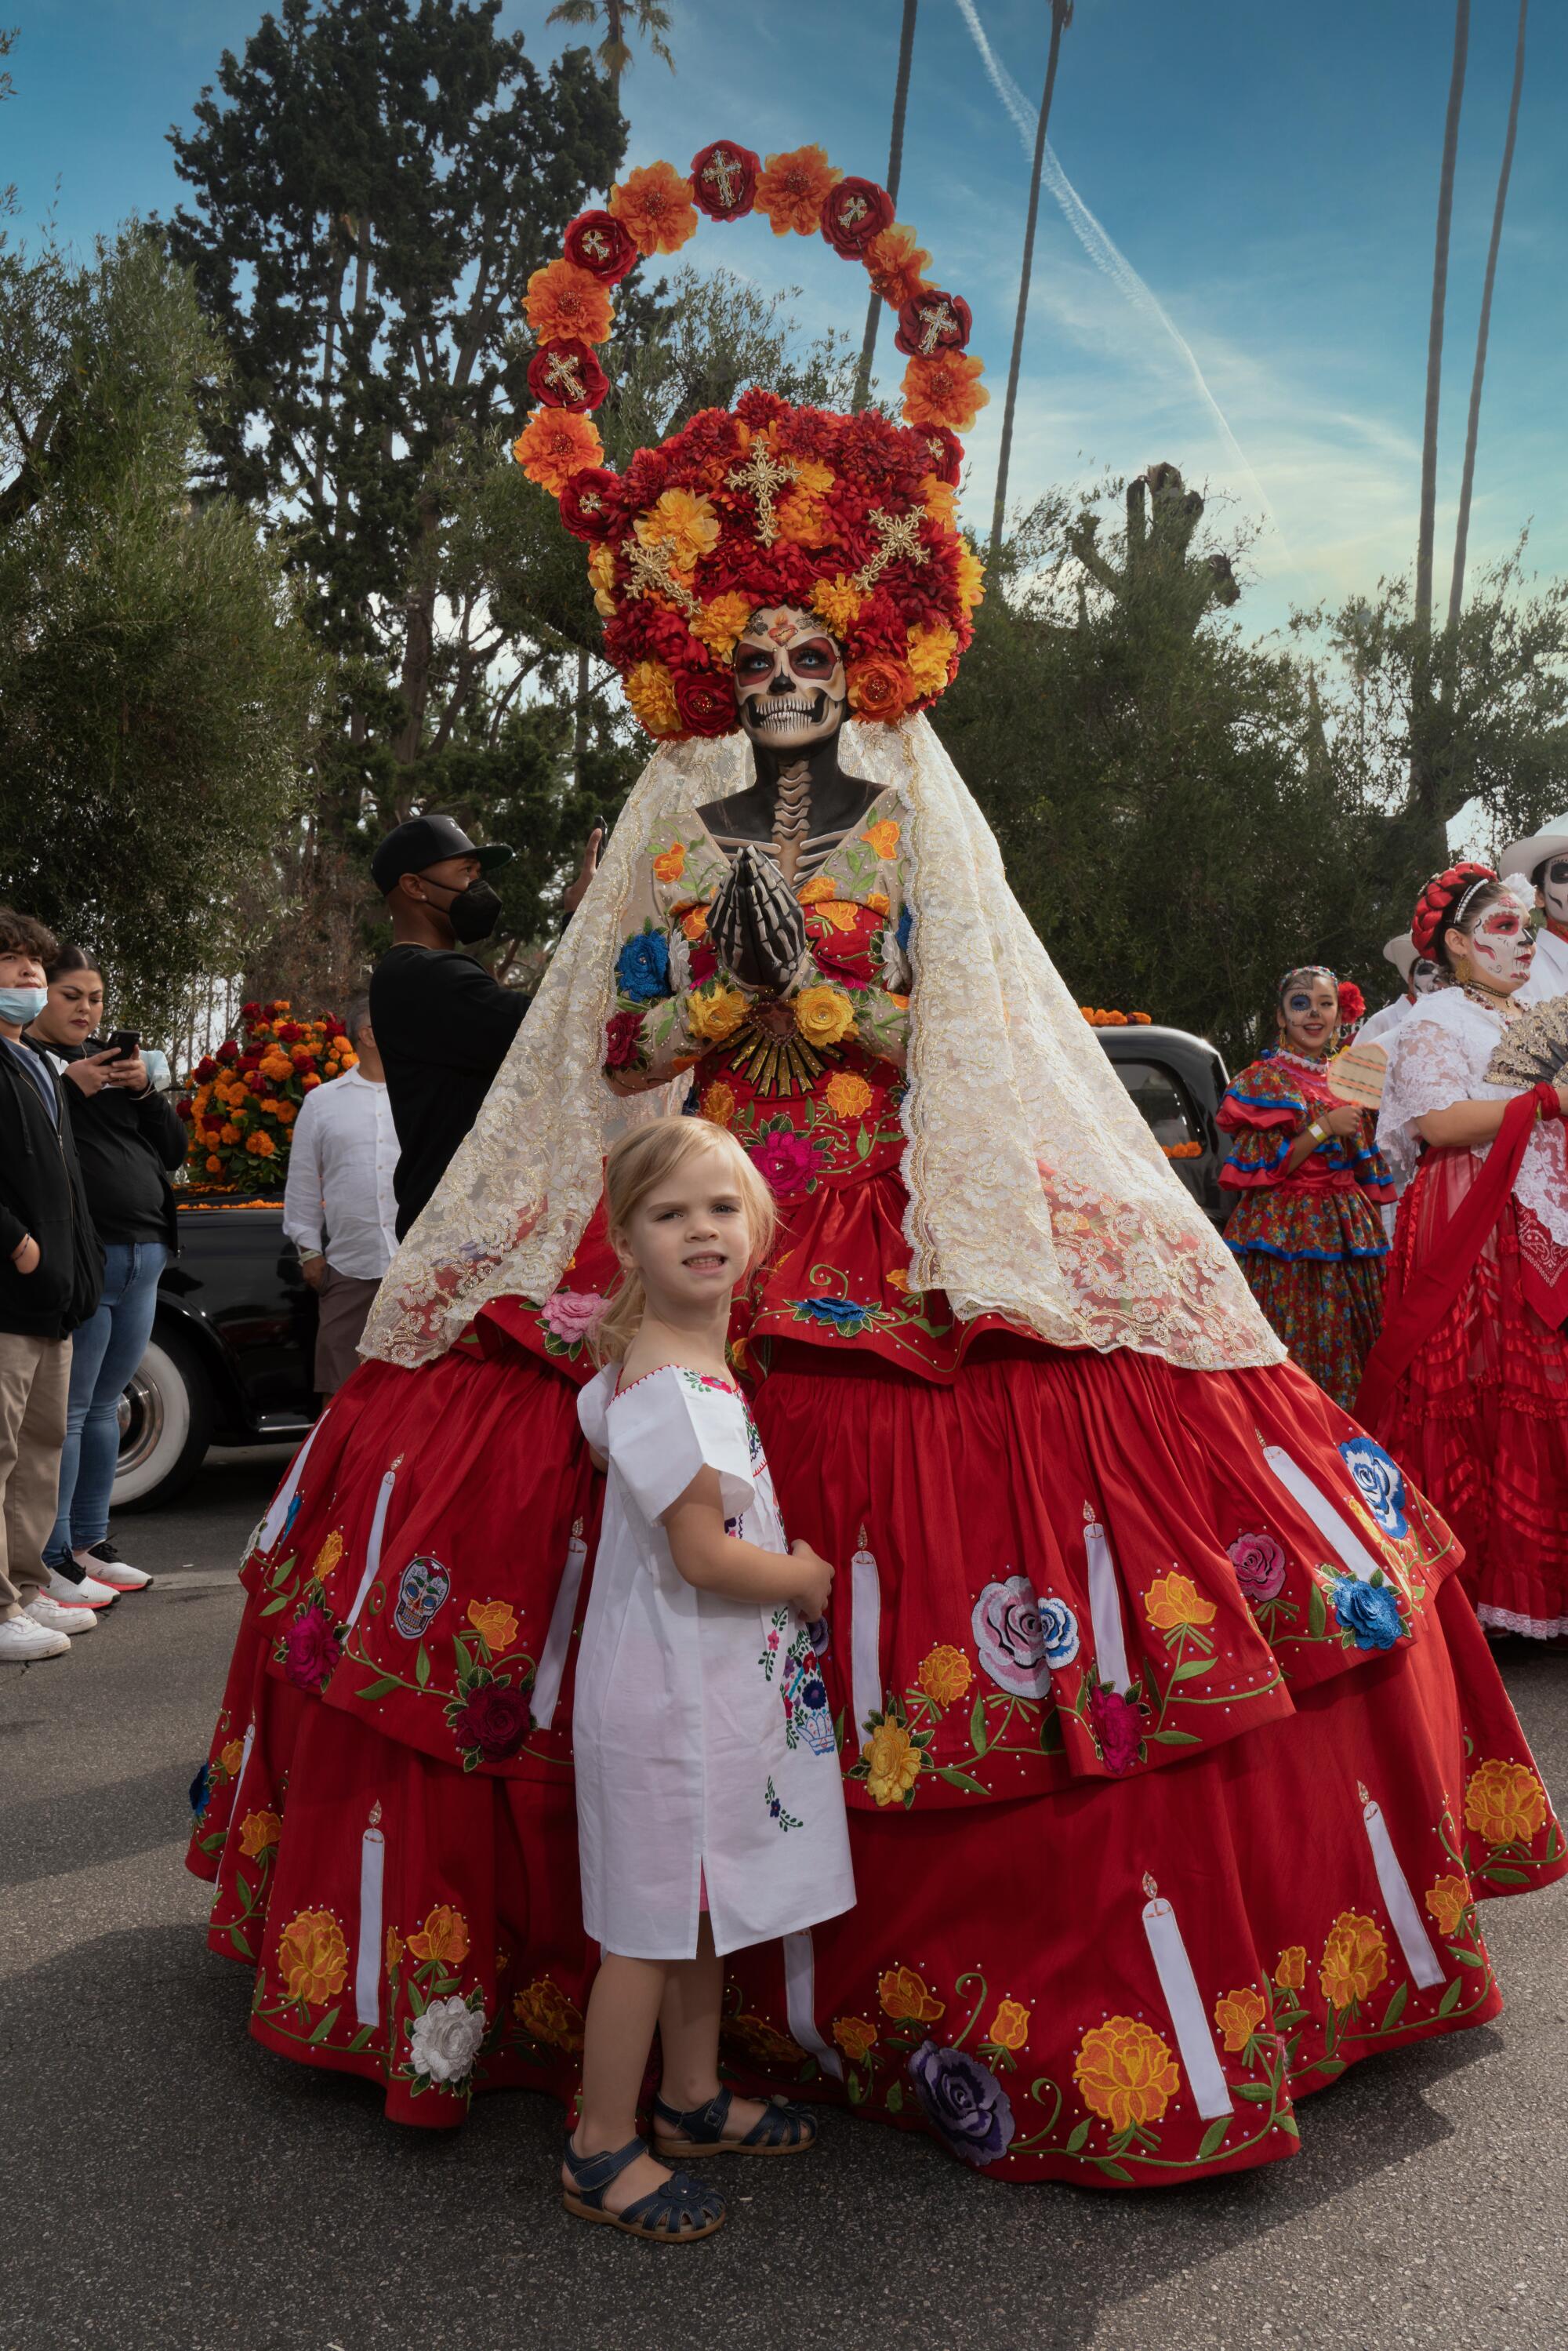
(444, 1027)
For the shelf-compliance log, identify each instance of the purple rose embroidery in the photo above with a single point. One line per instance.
(965, 2106)
(787, 1163)
(494, 1721)
(572, 1314)
(1010, 1637)
(1118, 1726)
(1260, 1565)
(310, 1649)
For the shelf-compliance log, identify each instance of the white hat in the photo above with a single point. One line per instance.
(1400, 952)
(1524, 856)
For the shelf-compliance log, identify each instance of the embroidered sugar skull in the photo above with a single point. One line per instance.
(422, 1589)
(790, 684)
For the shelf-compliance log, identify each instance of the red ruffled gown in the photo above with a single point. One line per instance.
(1311, 1243)
(1174, 1771)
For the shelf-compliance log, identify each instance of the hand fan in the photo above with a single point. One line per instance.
(1532, 1047)
(1356, 1075)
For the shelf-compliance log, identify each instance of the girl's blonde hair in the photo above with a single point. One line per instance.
(636, 1165)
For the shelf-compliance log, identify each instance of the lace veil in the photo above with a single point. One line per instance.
(1036, 1191)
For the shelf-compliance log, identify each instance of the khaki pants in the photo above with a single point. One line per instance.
(35, 1382)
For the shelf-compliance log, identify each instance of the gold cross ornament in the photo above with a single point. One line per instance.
(762, 474)
(899, 536)
(562, 374)
(651, 568)
(935, 319)
(722, 173)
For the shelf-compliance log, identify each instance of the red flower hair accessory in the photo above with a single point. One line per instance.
(1435, 908)
(567, 374)
(1352, 1004)
(598, 243)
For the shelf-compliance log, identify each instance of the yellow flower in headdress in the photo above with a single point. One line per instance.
(971, 578)
(684, 522)
(931, 648)
(801, 521)
(839, 601)
(602, 575)
(941, 499)
(723, 620)
(651, 691)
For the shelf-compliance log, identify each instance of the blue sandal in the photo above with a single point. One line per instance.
(678, 2213)
(780, 2129)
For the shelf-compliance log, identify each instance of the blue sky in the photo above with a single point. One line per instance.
(1268, 173)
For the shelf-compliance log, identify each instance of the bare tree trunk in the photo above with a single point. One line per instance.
(1483, 330)
(1060, 18)
(579, 722)
(895, 169)
(1434, 332)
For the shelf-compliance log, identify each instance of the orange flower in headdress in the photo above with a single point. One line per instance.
(651, 691)
(880, 688)
(793, 189)
(897, 266)
(563, 300)
(944, 389)
(554, 445)
(654, 204)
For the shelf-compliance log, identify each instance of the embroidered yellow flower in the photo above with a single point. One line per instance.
(839, 914)
(693, 921)
(892, 1761)
(232, 1757)
(1126, 2074)
(855, 2037)
(1290, 1967)
(897, 1278)
(682, 520)
(602, 579)
(761, 2040)
(717, 1103)
(932, 647)
(1239, 2014)
(723, 620)
(546, 2014)
(817, 891)
(327, 1557)
(651, 691)
(1173, 1599)
(444, 1937)
(944, 1674)
(1355, 1958)
(1505, 1802)
(878, 901)
(393, 1949)
(715, 1013)
(496, 1622)
(823, 1015)
(1010, 2026)
(671, 864)
(312, 1958)
(1447, 1901)
(839, 601)
(902, 1995)
(846, 1095)
(884, 836)
(258, 1830)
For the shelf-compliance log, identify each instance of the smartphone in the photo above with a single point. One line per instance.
(125, 1044)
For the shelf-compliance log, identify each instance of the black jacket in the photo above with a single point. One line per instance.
(127, 1144)
(42, 1193)
(444, 1027)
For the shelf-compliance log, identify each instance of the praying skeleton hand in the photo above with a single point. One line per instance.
(756, 921)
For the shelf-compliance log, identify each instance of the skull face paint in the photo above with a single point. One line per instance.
(1309, 1013)
(1500, 947)
(1551, 891)
(1424, 975)
(790, 684)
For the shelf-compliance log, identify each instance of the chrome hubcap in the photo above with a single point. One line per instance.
(140, 1414)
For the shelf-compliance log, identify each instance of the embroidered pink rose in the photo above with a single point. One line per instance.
(787, 1164)
(572, 1314)
(310, 1649)
(1118, 1726)
(1260, 1565)
(1013, 1641)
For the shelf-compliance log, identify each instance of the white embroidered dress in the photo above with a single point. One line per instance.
(703, 1743)
(1437, 1056)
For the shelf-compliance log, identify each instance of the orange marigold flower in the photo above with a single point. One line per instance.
(693, 921)
(1010, 2026)
(897, 265)
(215, 1166)
(717, 1104)
(884, 836)
(944, 1674)
(232, 1757)
(971, 578)
(313, 1958)
(847, 1096)
(1355, 1958)
(444, 1936)
(1290, 1967)
(653, 205)
(941, 500)
(945, 389)
(932, 648)
(793, 188)
(671, 864)
(1447, 1901)
(902, 1995)
(1172, 1600)
(496, 1622)
(723, 620)
(651, 691)
(880, 687)
(554, 445)
(258, 1830)
(228, 1133)
(855, 2037)
(563, 300)
(545, 2013)
(1126, 2074)
(1505, 1802)
(262, 1146)
(802, 522)
(893, 1762)
(839, 601)
(287, 1113)
(394, 1947)
(682, 520)
(1239, 2014)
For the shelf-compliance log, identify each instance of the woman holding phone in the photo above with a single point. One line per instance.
(127, 1139)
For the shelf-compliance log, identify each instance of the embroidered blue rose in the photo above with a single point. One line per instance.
(642, 967)
(906, 924)
(1059, 1631)
(842, 1313)
(200, 1788)
(1380, 1482)
(965, 2106)
(1369, 1613)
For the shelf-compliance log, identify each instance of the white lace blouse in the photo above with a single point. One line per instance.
(1437, 1056)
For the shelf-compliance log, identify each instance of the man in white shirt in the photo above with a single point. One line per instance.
(337, 1202)
(1543, 861)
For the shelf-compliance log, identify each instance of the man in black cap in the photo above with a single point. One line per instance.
(443, 1024)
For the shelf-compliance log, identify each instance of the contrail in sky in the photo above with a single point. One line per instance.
(1107, 257)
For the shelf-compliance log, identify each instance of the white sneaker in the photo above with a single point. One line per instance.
(102, 1561)
(54, 1618)
(23, 1641)
(89, 1593)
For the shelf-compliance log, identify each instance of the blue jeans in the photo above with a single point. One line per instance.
(104, 1354)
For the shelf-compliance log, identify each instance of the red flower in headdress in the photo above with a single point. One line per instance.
(1352, 1003)
(855, 211)
(933, 321)
(598, 243)
(567, 374)
(1435, 906)
(591, 503)
(723, 180)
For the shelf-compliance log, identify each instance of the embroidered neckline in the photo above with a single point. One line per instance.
(1503, 1007)
(703, 1379)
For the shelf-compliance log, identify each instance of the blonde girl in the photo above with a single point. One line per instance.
(710, 1811)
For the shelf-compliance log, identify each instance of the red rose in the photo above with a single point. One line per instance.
(705, 963)
(494, 1720)
(598, 243)
(566, 374)
(624, 1041)
(947, 453)
(250, 1012)
(205, 1068)
(310, 1649)
(331, 1026)
(591, 503)
(1119, 1726)
(705, 702)
(289, 1032)
(182, 1109)
(228, 1051)
(1352, 1003)
(303, 1058)
(723, 180)
(256, 1082)
(855, 211)
(933, 322)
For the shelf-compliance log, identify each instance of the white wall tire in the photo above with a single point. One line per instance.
(166, 1422)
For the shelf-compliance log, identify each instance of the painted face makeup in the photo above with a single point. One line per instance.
(1500, 948)
(1309, 1015)
(1553, 891)
(1423, 977)
(790, 684)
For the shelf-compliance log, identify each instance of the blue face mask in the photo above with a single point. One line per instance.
(22, 1005)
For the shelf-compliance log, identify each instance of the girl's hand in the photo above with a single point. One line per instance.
(1345, 1119)
(816, 1580)
(92, 1073)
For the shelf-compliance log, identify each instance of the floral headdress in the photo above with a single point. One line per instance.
(1444, 900)
(848, 516)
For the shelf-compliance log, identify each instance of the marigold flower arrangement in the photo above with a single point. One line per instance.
(850, 516)
(242, 1101)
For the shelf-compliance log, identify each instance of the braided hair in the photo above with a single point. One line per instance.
(1451, 896)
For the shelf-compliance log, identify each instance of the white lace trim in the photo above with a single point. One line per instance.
(1534, 1628)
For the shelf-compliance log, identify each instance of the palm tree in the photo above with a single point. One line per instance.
(1434, 332)
(1060, 18)
(1483, 331)
(894, 166)
(614, 51)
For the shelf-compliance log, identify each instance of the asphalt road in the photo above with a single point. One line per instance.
(170, 2186)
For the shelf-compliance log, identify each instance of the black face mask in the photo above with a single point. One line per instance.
(474, 912)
